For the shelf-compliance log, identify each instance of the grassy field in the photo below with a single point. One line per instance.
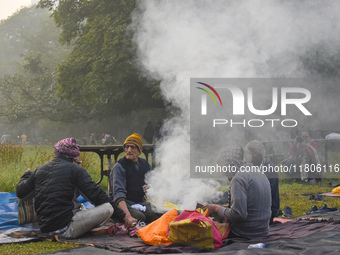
(15, 159)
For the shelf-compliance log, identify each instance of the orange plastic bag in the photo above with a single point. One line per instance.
(155, 232)
(336, 191)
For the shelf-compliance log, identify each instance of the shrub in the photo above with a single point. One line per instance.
(10, 153)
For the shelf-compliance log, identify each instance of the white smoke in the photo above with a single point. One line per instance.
(178, 40)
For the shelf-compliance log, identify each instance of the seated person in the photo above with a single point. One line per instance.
(249, 198)
(255, 154)
(128, 187)
(56, 186)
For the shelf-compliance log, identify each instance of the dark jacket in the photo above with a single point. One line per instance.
(57, 184)
(273, 178)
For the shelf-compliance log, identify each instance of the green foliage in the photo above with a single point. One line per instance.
(10, 157)
(99, 78)
(10, 153)
(30, 91)
(42, 154)
(16, 159)
(29, 30)
(102, 67)
(22, 98)
(11, 41)
(31, 95)
(35, 247)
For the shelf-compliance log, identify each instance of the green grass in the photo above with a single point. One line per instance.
(12, 168)
(34, 248)
(290, 195)
(15, 160)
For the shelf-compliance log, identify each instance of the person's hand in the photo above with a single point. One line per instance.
(129, 221)
(212, 208)
(145, 187)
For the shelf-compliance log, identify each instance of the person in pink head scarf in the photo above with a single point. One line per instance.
(56, 186)
(68, 148)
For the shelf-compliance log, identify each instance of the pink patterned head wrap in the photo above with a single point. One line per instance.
(231, 156)
(69, 148)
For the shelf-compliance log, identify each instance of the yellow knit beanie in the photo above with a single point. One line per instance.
(135, 139)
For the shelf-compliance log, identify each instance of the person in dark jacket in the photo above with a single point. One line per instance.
(56, 186)
(149, 132)
(128, 187)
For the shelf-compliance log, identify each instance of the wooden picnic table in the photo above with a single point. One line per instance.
(115, 151)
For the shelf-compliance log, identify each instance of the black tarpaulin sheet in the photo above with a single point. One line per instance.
(298, 236)
(323, 242)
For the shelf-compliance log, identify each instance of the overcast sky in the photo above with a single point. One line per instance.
(8, 7)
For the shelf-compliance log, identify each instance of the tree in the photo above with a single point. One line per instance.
(27, 89)
(101, 70)
(11, 37)
(30, 95)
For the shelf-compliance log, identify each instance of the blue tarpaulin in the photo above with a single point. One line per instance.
(9, 219)
(9, 211)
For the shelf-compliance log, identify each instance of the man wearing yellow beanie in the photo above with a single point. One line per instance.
(128, 181)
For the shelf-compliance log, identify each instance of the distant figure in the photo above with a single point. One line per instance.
(158, 134)
(149, 132)
(5, 138)
(23, 138)
(93, 139)
(108, 139)
(304, 151)
(97, 138)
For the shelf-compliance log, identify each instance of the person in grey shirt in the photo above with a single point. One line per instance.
(254, 152)
(249, 208)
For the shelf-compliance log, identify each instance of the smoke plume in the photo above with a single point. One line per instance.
(178, 40)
